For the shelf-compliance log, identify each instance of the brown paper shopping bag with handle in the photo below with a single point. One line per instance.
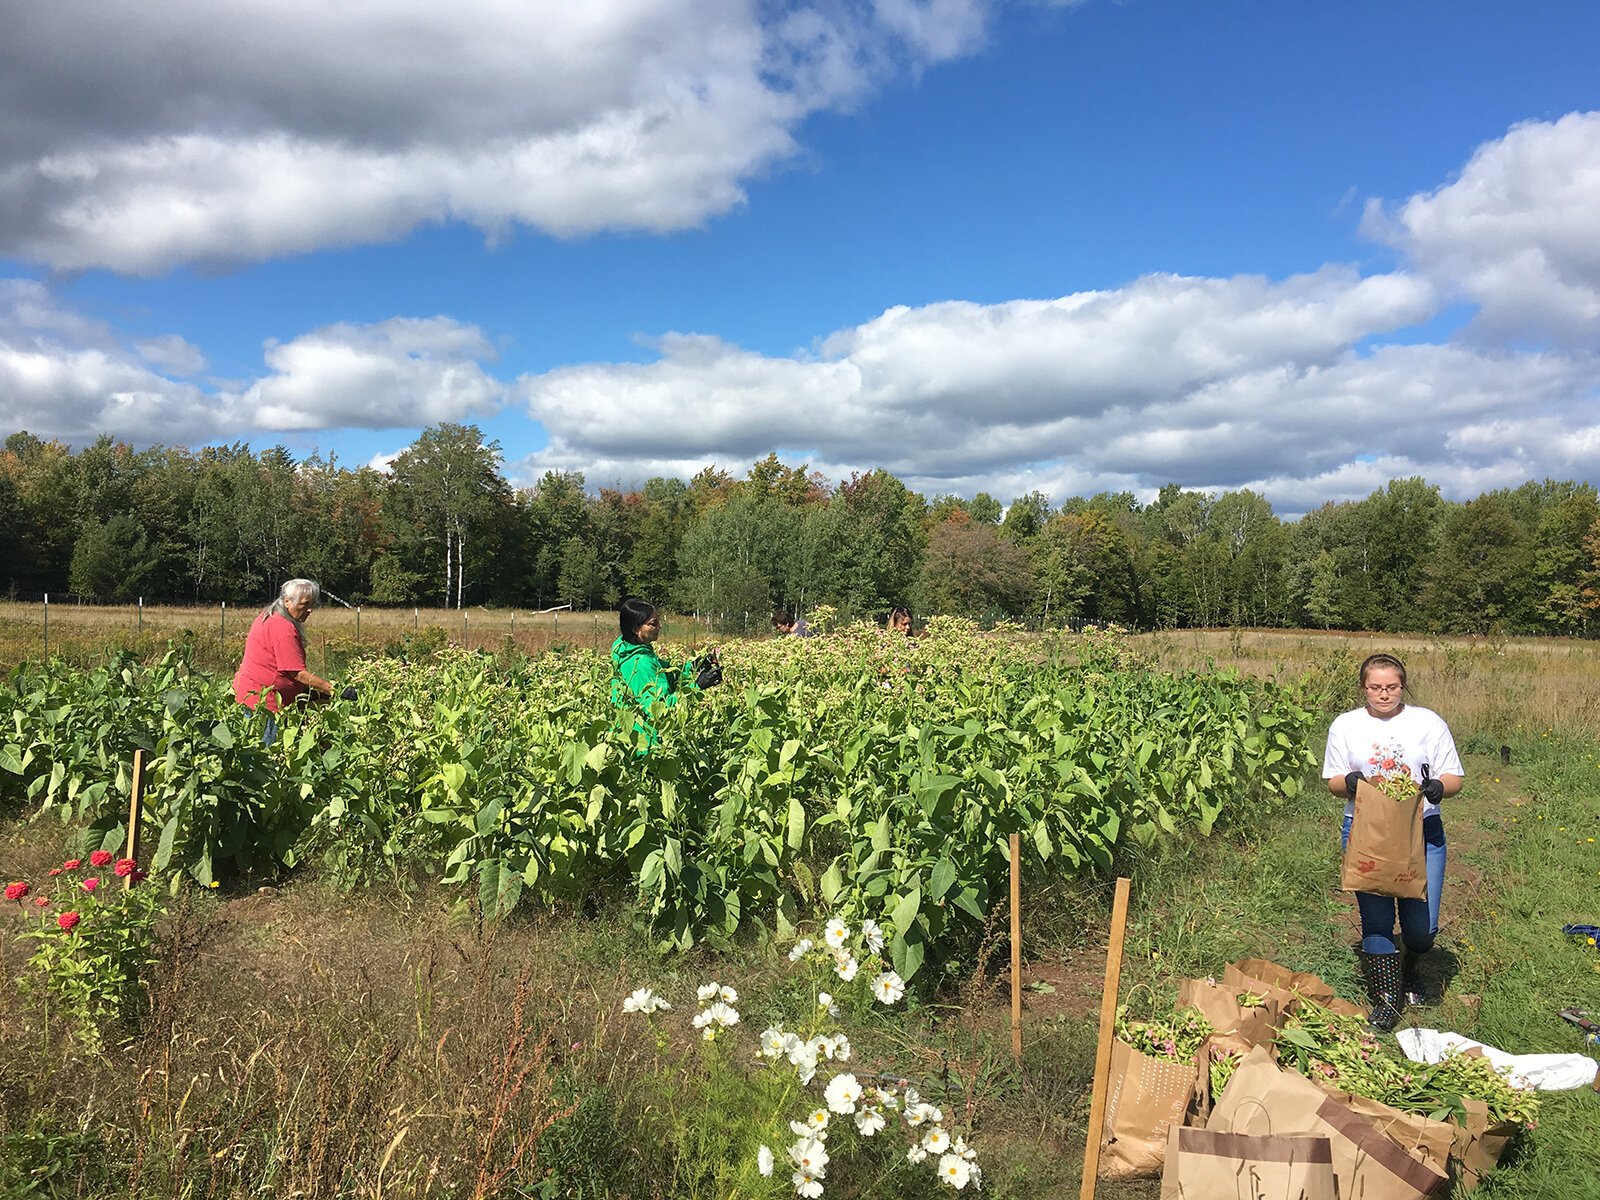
(1479, 1144)
(1296, 983)
(1144, 1097)
(1426, 1140)
(1386, 855)
(1219, 1003)
(1204, 1164)
(1215, 1047)
(1263, 1099)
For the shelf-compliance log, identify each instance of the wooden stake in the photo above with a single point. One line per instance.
(1102, 1057)
(1016, 949)
(135, 813)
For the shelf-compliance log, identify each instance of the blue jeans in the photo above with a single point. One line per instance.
(1419, 919)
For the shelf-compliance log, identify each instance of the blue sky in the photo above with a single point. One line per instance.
(993, 246)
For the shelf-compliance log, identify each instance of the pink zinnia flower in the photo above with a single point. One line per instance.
(72, 864)
(41, 901)
(125, 867)
(100, 858)
(89, 885)
(54, 871)
(67, 920)
(16, 891)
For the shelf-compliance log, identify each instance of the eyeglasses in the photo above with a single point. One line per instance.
(1383, 689)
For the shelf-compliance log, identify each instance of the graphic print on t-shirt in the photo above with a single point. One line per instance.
(1388, 759)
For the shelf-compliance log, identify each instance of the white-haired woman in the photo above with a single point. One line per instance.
(273, 672)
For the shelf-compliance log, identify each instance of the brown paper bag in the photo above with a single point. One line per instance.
(1212, 1048)
(1386, 855)
(1302, 983)
(1203, 1164)
(1262, 1099)
(1426, 1140)
(1479, 1145)
(1144, 1097)
(1219, 1004)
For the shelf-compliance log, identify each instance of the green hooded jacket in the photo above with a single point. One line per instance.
(640, 678)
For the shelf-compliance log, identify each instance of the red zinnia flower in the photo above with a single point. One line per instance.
(100, 858)
(72, 864)
(68, 919)
(41, 901)
(54, 871)
(125, 867)
(89, 885)
(16, 891)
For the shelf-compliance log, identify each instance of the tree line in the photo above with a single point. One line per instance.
(444, 527)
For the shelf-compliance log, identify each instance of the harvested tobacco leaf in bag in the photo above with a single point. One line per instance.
(1386, 855)
(1148, 1092)
(1204, 1164)
(1219, 1057)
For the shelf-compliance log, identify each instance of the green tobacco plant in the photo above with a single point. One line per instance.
(859, 774)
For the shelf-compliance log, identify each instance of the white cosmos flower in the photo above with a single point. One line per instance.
(959, 1146)
(955, 1170)
(644, 1001)
(806, 1184)
(841, 1048)
(810, 1154)
(936, 1140)
(842, 1093)
(801, 949)
(836, 933)
(764, 1161)
(872, 935)
(888, 988)
(707, 991)
(774, 1043)
(816, 1122)
(800, 1129)
(845, 965)
(916, 1154)
(870, 1120)
(729, 996)
(825, 1001)
(918, 1112)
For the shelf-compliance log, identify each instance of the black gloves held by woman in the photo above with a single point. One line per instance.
(1433, 790)
(708, 670)
(1350, 781)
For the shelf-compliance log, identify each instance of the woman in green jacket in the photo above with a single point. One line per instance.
(640, 679)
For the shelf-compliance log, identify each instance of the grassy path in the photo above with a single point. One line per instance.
(1525, 859)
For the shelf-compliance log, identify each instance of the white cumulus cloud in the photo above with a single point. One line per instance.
(219, 131)
(1517, 233)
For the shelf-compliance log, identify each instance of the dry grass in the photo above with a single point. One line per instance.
(1489, 689)
(90, 632)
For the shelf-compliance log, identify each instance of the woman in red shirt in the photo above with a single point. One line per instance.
(274, 671)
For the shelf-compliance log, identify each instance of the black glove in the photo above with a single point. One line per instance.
(348, 694)
(1432, 789)
(1350, 781)
(709, 675)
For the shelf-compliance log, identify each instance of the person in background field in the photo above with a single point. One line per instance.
(1383, 738)
(641, 678)
(790, 626)
(900, 622)
(273, 672)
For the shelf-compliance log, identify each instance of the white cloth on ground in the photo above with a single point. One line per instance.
(1547, 1072)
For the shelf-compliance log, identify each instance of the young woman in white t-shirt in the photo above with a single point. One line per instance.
(1386, 737)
